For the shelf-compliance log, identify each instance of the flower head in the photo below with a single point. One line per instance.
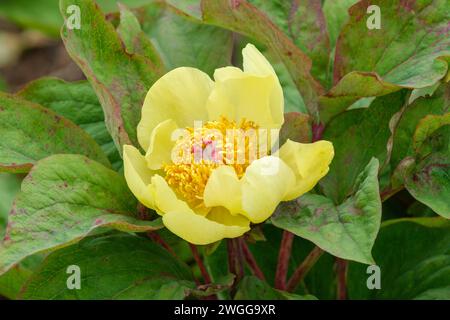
(211, 165)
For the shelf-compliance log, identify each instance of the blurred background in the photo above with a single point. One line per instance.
(30, 46)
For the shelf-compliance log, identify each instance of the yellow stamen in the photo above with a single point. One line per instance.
(234, 147)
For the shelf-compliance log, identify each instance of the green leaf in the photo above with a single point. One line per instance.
(63, 199)
(347, 230)
(77, 102)
(423, 92)
(120, 79)
(357, 136)
(402, 54)
(403, 51)
(294, 18)
(296, 127)
(336, 16)
(135, 39)
(9, 187)
(112, 267)
(30, 132)
(12, 281)
(427, 126)
(244, 18)
(414, 257)
(252, 288)
(437, 104)
(351, 88)
(429, 180)
(44, 15)
(183, 40)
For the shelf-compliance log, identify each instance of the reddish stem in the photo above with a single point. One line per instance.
(341, 273)
(251, 262)
(157, 238)
(317, 131)
(201, 266)
(304, 267)
(239, 259)
(283, 260)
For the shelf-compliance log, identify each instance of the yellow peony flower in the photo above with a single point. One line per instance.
(205, 199)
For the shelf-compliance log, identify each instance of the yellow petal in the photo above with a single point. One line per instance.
(265, 183)
(200, 230)
(309, 161)
(250, 98)
(138, 175)
(254, 94)
(223, 216)
(223, 189)
(161, 144)
(226, 73)
(180, 95)
(255, 62)
(166, 200)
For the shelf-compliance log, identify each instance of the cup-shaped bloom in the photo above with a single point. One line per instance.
(211, 165)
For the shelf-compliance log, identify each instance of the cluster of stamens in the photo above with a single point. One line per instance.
(202, 149)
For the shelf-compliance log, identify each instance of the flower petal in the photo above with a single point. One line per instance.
(309, 161)
(255, 62)
(200, 230)
(138, 175)
(161, 144)
(223, 189)
(180, 95)
(254, 94)
(265, 183)
(166, 201)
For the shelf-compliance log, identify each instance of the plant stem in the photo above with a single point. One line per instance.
(304, 267)
(231, 256)
(251, 262)
(283, 260)
(201, 266)
(157, 238)
(239, 260)
(341, 273)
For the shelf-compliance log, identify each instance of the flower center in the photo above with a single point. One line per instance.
(203, 148)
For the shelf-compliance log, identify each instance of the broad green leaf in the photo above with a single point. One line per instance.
(304, 23)
(30, 132)
(429, 179)
(423, 92)
(403, 53)
(77, 102)
(120, 79)
(351, 88)
(244, 18)
(63, 199)
(347, 230)
(296, 127)
(135, 39)
(437, 104)
(44, 15)
(9, 187)
(12, 281)
(252, 288)
(112, 267)
(427, 126)
(183, 40)
(414, 257)
(357, 136)
(336, 16)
